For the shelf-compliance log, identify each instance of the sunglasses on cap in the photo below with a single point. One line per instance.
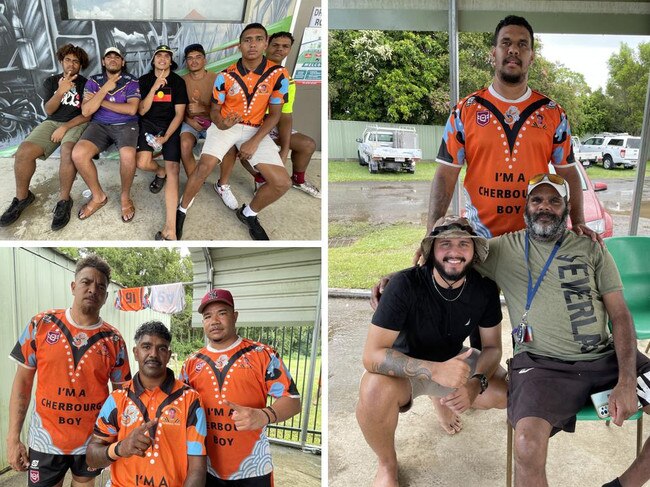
(553, 178)
(456, 223)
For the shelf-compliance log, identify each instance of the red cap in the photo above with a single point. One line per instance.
(215, 295)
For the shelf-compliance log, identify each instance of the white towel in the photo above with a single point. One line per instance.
(168, 298)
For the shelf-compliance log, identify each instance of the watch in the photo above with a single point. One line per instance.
(482, 381)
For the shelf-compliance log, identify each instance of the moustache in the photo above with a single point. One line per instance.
(447, 259)
(512, 60)
(546, 214)
(155, 362)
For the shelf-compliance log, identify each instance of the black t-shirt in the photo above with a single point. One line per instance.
(431, 328)
(162, 110)
(70, 106)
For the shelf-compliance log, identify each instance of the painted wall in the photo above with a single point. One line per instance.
(32, 30)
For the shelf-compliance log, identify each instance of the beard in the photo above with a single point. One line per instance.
(113, 71)
(546, 232)
(452, 277)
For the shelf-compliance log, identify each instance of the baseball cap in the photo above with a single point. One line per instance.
(557, 182)
(194, 47)
(113, 49)
(165, 48)
(215, 295)
(454, 226)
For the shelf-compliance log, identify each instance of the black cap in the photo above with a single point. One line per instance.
(194, 47)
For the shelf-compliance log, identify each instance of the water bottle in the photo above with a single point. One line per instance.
(153, 143)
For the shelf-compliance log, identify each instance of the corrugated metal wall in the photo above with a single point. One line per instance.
(269, 285)
(34, 280)
(343, 134)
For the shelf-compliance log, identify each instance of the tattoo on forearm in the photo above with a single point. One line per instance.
(397, 364)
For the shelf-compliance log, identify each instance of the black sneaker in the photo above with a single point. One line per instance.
(254, 228)
(16, 207)
(180, 219)
(62, 212)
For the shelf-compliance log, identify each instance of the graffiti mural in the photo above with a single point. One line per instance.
(31, 32)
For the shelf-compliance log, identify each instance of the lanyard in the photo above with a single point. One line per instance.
(531, 291)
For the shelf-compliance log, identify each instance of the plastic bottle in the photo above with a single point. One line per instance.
(153, 143)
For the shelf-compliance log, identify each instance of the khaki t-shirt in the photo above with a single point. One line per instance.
(201, 89)
(567, 313)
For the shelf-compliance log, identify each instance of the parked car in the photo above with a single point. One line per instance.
(389, 149)
(582, 155)
(615, 149)
(596, 217)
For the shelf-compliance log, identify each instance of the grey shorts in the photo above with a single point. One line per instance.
(555, 390)
(429, 388)
(41, 136)
(104, 135)
(189, 129)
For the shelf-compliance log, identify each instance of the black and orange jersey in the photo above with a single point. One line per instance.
(249, 93)
(245, 373)
(180, 431)
(504, 143)
(73, 365)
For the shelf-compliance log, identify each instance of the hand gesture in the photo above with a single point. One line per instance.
(622, 403)
(160, 82)
(138, 441)
(460, 400)
(58, 134)
(194, 107)
(17, 456)
(454, 372)
(66, 82)
(246, 418)
(247, 149)
(231, 120)
(583, 230)
(111, 82)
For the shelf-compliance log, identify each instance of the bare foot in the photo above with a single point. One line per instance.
(386, 476)
(449, 420)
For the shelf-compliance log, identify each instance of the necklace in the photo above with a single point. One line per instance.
(462, 288)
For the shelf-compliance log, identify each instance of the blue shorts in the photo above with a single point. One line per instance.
(197, 135)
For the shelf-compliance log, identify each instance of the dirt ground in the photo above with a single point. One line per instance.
(595, 454)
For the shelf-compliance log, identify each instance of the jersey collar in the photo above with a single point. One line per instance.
(523, 97)
(259, 70)
(167, 386)
(68, 316)
(218, 350)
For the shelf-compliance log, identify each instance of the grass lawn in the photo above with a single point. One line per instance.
(344, 171)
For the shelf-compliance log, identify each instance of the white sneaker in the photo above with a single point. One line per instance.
(308, 188)
(226, 195)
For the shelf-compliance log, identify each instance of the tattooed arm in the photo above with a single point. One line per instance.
(380, 358)
(21, 393)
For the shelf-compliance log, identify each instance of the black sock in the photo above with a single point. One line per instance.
(613, 483)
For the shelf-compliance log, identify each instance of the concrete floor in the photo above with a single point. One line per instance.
(595, 454)
(292, 468)
(295, 216)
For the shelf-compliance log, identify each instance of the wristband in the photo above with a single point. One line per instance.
(117, 445)
(267, 416)
(108, 455)
(275, 415)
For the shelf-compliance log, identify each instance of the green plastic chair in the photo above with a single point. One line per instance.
(632, 257)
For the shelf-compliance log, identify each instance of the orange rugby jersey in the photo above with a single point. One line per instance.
(249, 93)
(504, 143)
(73, 365)
(180, 431)
(245, 374)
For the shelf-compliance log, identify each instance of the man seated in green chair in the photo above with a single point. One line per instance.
(560, 289)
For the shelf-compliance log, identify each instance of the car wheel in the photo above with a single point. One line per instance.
(361, 161)
(607, 162)
(373, 168)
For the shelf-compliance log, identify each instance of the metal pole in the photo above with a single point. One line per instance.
(644, 151)
(312, 372)
(454, 84)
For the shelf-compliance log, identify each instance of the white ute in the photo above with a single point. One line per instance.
(389, 149)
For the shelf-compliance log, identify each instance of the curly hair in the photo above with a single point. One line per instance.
(96, 262)
(66, 49)
(155, 328)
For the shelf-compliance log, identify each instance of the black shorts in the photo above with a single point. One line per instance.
(555, 390)
(262, 481)
(104, 135)
(46, 469)
(171, 149)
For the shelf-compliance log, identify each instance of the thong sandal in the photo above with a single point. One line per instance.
(157, 184)
(160, 236)
(89, 209)
(128, 210)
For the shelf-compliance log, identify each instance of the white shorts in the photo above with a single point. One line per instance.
(218, 143)
(275, 135)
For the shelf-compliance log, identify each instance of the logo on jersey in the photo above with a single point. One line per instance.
(221, 362)
(53, 336)
(47, 319)
(116, 337)
(199, 366)
(512, 115)
(34, 476)
(539, 121)
(130, 415)
(102, 349)
(34, 464)
(171, 416)
(80, 340)
(470, 101)
(551, 104)
(234, 89)
(482, 118)
(263, 88)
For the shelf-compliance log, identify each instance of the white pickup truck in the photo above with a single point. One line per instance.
(389, 149)
(583, 155)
